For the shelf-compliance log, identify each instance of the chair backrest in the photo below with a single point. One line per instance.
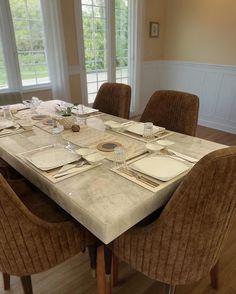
(196, 221)
(23, 236)
(114, 99)
(10, 98)
(176, 111)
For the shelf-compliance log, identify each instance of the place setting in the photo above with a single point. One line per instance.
(8, 127)
(145, 132)
(58, 162)
(155, 168)
(78, 110)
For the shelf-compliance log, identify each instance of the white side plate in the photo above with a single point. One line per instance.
(139, 127)
(4, 124)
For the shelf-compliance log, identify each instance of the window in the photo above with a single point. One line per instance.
(105, 31)
(94, 28)
(3, 75)
(122, 37)
(23, 32)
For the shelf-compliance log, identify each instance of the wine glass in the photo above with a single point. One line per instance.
(7, 113)
(79, 114)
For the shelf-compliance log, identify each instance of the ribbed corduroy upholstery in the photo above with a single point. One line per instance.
(31, 245)
(10, 98)
(184, 244)
(176, 111)
(114, 99)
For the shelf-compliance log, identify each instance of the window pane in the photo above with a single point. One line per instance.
(94, 27)
(3, 75)
(122, 39)
(29, 34)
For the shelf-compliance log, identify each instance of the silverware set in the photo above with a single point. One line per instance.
(69, 169)
(139, 177)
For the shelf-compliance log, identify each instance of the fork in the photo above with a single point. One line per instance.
(62, 172)
(168, 152)
(138, 177)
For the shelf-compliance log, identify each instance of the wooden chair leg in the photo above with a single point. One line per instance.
(170, 289)
(6, 281)
(92, 249)
(115, 270)
(26, 284)
(214, 273)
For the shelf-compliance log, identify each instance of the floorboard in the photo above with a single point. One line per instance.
(74, 276)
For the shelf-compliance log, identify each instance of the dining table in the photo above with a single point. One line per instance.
(101, 198)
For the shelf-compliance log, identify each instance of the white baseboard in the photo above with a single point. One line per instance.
(214, 84)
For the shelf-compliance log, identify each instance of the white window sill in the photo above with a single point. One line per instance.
(27, 89)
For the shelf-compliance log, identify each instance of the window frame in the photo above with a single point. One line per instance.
(10, 54)
(110, 46)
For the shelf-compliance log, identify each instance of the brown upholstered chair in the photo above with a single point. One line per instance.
(10, 98)
(35, 234)
(5, 99)
(114, 99)
(176, 111)
(185, 243)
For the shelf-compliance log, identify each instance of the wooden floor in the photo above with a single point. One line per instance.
(74, 277)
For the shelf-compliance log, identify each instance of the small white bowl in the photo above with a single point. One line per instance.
(84, 151)
(94, 158)
(117, 128)
(153, 147)
(165, 142)
(26, 124)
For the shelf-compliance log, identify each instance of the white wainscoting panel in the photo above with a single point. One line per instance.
(214, 84)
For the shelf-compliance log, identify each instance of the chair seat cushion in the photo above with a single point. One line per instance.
(39, 203)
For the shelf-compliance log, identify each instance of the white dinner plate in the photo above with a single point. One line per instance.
(52, 158)
(160, 167)
(139, 127)
(4, 124)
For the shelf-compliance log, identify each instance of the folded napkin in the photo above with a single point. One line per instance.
(186, 157)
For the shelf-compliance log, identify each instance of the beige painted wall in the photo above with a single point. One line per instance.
(68, 19)
(153, 47)
(200, 31)
(41, 94)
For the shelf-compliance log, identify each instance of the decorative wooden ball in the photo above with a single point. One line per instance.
(75, 128)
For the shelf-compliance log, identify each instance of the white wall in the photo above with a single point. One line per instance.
(214, 84)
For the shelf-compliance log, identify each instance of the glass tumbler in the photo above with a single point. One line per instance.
(81, 120)
(120, 157)
(7, 113)
(148, 130)
(57, 130)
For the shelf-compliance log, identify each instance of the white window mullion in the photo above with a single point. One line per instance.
(135, 51)
(80, 45)
(111, 40)
(9, 47)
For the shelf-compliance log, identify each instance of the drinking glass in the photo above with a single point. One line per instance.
(120, 157)
(81, 120)
(34, 104)
(7, 113)
(56, 131)
(148, 130)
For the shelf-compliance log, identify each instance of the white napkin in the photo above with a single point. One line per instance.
(188, 158)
